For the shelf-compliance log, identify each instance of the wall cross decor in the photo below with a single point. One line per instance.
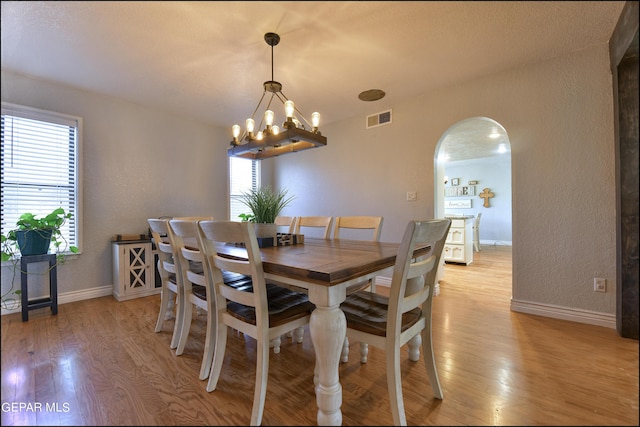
(486, 195)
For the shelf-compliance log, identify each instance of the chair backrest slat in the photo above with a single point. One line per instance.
(373, 223)
(323, 222)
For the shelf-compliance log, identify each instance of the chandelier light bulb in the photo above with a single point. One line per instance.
(289, 109)
(236, 131)
(315, 120)
(259, 136)
(268, 118)
(250, 125)
(275, 130)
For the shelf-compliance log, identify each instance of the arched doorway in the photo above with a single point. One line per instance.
(471, 156)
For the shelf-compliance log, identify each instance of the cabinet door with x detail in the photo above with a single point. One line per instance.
(132, 270)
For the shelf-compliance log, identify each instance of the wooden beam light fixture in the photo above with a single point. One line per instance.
(272, 141)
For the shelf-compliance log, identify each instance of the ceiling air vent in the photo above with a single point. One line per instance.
(379, 119)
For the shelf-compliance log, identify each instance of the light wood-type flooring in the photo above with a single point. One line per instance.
(98, 362)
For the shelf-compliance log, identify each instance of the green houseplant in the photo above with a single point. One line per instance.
(33, 235)
(265, 204)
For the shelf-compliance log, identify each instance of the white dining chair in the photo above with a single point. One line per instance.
(371, 225)
(170, 276)
(196, 290)
(405, 316)
(356, 225)
(263, 312)
(286, 223)
(312, 224)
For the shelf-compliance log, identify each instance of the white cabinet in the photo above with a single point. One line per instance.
(133, 270)
(459, 244)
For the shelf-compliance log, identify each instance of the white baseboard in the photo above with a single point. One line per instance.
(545, 310)
(495, 243)
(564, 313)
(73, 296)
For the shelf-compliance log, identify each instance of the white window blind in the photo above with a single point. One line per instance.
(244, 175)
(39, 166)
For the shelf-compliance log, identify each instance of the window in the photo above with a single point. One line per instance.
(40, 166)
(244, 175)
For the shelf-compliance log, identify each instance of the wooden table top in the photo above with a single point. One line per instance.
(326, 262)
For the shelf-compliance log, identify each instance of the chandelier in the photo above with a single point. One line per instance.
(268, 139)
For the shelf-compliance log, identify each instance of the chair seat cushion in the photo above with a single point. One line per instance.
(284, 305)
(199, 291)
(367, 312)
(236, 280)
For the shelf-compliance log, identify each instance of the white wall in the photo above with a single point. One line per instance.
(559, 118)
(138, 163)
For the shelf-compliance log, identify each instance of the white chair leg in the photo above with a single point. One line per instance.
(299, 335)
(164, 304)
(430, 363)
(364, 352)
(262, 375)
(394, 384)
(218, 356)
(177, 328)
(187, 314)
(344, 357)
(413, 347)
(209, 345)
(275, 343)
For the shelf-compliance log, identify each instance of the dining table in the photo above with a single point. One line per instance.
(325, 268)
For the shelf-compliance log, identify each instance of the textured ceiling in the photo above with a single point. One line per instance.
(208, 60)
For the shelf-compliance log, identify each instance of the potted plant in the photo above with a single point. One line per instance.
(265, 204)
(33, 236)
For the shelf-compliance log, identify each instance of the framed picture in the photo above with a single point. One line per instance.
(455, 181)
(473, 182)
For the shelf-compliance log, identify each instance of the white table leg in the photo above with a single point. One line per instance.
(328, 328)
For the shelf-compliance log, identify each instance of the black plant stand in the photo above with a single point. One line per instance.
(52, 300)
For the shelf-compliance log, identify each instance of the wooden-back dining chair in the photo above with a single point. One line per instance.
(344, 223)
(287, 223)
(314, 222)
(170, 276)
(405, 316)
(261, 311)
(196, 291)
(370, 224)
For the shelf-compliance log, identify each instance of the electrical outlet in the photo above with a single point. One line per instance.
(599, 284)
(411, 196)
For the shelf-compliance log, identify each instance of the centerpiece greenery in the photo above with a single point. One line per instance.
(265, 204)
(18, 240)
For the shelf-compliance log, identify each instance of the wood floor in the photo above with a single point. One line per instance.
(98, 362)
